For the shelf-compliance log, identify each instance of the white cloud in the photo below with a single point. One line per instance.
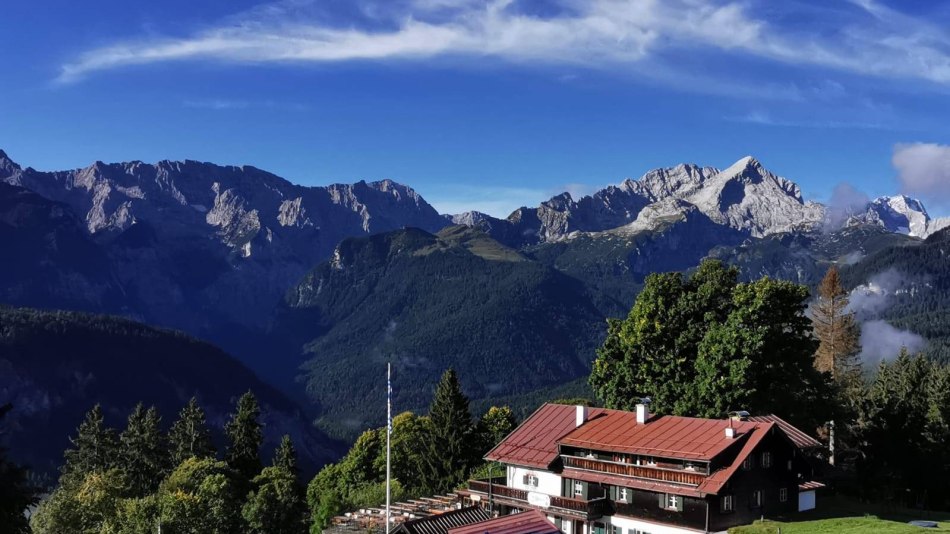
(882, 341)
(583, 33)
(924, 170)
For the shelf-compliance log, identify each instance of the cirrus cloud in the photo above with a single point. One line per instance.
(585, 33)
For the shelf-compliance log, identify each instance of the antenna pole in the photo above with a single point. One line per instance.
(389, 432)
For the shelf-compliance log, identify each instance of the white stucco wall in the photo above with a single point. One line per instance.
(549, 483)
(628, 525)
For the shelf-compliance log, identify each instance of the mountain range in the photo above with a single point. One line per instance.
(314, 287)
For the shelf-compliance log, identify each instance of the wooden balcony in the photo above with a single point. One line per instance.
(586, 510)
(677, 476)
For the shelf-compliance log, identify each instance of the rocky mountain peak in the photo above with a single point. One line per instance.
(7, 166)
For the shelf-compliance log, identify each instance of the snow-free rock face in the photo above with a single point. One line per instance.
(198, 243)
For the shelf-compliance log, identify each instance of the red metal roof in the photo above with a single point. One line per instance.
(810, 485)
(799, 438)
(617, 480)
(534, 442)
(530, 522)
(717, 480)
(668, 436)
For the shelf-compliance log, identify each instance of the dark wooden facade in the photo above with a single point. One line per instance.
(599, 501)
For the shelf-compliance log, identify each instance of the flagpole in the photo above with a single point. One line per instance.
(389, 431)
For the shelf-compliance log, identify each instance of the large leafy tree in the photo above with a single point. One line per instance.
(190, 436)
(201, 496)
(86, 506)
(245, 435)
(16, 493)
(448, 451)
(707, 344)
(276, 504)
(494, 425)
(143, 455)
(93, 448)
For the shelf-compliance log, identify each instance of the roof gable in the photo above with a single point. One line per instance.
(534, 442)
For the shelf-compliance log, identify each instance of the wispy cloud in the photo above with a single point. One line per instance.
(224, 104)
(767, 119)
(581, 33)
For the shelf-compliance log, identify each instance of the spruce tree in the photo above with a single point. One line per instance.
(93, 449)
(246, 435)
(190, 436)
(143, 456)
(836, 329)
(286, 456)
(451, 440)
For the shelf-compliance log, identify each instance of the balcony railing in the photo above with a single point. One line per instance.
(580, 508)
(635, 471)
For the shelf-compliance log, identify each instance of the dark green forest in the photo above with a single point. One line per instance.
(55, 365)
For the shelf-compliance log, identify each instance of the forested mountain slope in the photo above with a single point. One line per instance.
(54, 366)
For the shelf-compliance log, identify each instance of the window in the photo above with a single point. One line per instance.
(671, 502)
(624, 495)
(756, 499)
(789, 465)
(530, 480)
(599, 528)
(782, 494)
(614, 529)
(726, 503)
(578, 489)
(766, 459)
(747, 463)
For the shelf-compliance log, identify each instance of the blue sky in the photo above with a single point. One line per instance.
(487, 104)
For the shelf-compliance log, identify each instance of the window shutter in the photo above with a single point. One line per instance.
(662, 500)
(679, 504)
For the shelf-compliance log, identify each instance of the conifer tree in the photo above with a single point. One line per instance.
(836, 329)
(143, 456)
(93, 449)
(286, 456)
(190, 436)
(245, 435)
(449, 447)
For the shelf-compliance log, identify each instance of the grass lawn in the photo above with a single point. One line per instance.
(836, 514)
(845, 525)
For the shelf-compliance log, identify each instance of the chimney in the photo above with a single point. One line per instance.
(730, 431)
(643, 410)
(581, 414)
